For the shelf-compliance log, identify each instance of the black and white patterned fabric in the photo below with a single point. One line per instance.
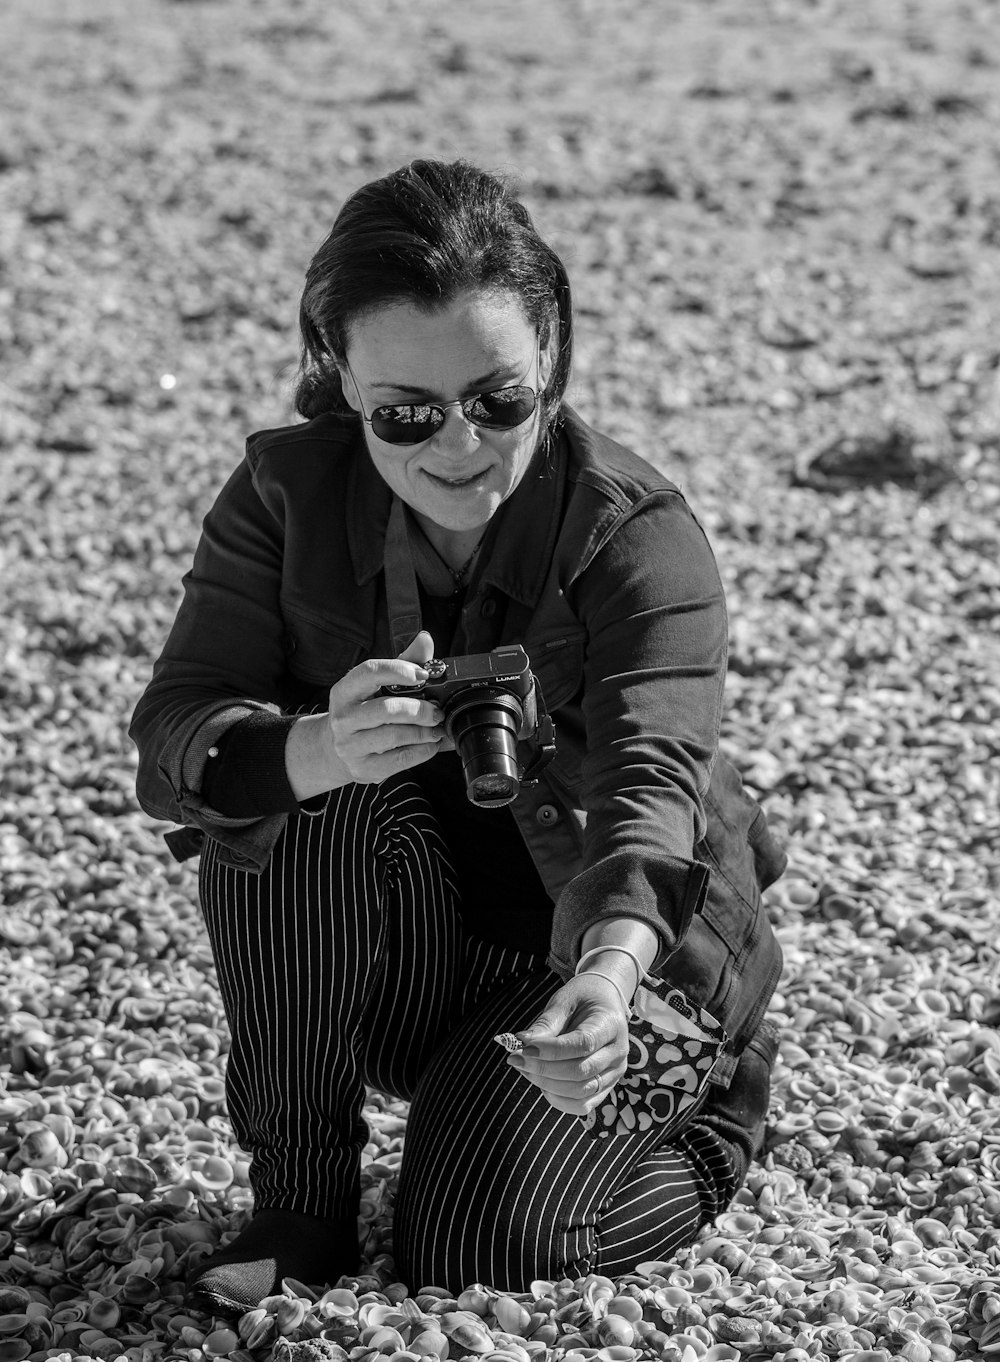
(673, 1048)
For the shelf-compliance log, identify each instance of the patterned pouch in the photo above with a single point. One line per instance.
(673, 1048)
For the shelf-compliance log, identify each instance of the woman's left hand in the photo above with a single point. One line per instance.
(576, 1050)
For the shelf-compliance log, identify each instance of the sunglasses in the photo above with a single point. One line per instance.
(410, 423)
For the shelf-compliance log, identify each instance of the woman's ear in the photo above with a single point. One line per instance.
(348, 386)
(547, 357)
(548, 352)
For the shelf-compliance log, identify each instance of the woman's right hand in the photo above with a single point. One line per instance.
(364, 737)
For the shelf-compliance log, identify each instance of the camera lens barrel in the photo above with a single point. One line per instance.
(484, 725)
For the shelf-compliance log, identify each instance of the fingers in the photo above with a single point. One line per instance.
(400, 710)
(559, 1075)
(421, 649)
(577, 1049)
(577, 1044)
(372, 768)
(373, 736)
(366, 679)
(389, 736)
(592, 1083)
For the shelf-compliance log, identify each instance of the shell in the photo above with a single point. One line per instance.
(511, 1315)
(626, 1306)
(474, 1298)
(472, 1338)
(262, 1333)
(220, 1343)
(289, 1313)
(616, 1329)
(384, 1338)
(338, 1303)
(103, 1314)
(430, 1343)
(40, 1148)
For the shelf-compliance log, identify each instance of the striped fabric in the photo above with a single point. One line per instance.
(346, 964)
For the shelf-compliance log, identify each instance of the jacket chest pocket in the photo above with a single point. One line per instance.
(320, 650)
(557, 664)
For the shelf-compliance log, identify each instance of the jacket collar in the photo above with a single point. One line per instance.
(521, 538)
(523, 533)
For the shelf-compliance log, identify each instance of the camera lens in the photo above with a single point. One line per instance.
(484, 725)
(494, 789)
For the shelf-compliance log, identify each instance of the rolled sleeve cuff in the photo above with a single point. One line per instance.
(208, 734)
(246, 775)
(247, 841)
(667, 895)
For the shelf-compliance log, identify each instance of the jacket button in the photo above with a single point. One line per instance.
(488, 608)
(546, 815)
(238, 858)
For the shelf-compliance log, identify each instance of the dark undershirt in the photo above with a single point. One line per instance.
(506, 902)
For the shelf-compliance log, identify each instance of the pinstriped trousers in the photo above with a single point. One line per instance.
(346, 964)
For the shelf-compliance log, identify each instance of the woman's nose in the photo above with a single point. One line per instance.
(458, 435)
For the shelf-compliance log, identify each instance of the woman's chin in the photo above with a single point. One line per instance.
(458, 512)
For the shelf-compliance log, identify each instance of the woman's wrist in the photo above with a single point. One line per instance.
(311, 768)
(621, 949)
(623, 996)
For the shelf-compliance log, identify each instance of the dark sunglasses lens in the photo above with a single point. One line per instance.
(503, 409)
(407, 424)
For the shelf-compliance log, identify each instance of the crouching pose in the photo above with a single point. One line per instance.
(531, 837)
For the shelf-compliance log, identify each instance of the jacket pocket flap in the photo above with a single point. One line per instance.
(319, 649)
(557, 664)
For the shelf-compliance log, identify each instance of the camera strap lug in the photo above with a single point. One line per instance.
(543, 743)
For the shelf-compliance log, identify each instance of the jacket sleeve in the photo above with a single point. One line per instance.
(223, 660)
(654, 610)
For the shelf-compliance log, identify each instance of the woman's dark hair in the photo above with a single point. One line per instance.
(423, 235)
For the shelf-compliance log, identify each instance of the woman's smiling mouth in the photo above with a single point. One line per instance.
(454, 484)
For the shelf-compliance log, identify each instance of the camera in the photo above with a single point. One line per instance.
(494, 713)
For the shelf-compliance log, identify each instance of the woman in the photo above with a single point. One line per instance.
(370, 924)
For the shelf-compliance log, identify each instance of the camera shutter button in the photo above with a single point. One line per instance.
(546, 815)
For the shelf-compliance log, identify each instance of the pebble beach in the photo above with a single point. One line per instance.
(782, 225)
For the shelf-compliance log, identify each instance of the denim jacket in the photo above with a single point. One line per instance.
(595, 565)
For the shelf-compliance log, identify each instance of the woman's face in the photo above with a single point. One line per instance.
(457, 479)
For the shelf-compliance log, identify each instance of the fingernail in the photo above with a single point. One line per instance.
(515, 1061)
(530, 1050)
